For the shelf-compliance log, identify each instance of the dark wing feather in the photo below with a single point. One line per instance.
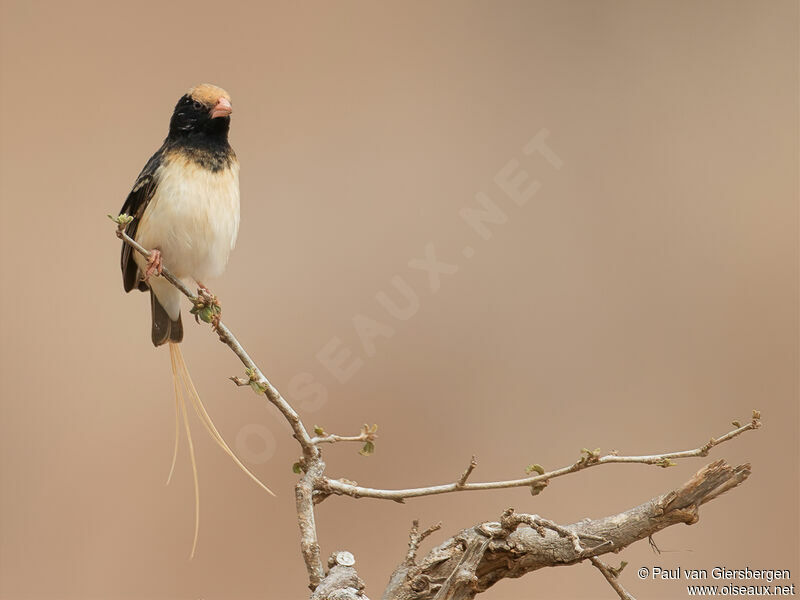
(136, 202)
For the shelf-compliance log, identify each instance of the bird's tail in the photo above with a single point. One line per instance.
(183, 385)
(163, 329)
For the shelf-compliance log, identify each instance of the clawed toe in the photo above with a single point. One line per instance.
(153, 264)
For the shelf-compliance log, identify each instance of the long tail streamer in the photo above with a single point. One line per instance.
(182, 382)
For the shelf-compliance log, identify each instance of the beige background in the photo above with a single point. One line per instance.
(643, 299)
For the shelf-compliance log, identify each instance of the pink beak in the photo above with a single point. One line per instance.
(222, 108)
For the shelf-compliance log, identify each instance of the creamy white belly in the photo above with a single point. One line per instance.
(193, 219)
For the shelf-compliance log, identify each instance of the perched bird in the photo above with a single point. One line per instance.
(185, 210)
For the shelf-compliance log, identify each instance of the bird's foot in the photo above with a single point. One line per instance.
(153, 264)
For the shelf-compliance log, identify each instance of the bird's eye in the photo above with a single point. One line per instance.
(197, 105)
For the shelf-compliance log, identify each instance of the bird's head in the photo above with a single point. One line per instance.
(204, 109)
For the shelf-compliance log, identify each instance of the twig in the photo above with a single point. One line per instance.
(471, 467)
(416, 537)
(300, 433)
(611, 577)
(332, 438)
(336, 486)
(366, 435)
(510, 520)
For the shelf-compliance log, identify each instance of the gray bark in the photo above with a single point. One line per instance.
(475, 559)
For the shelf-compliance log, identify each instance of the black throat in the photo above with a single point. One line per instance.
(211, 152)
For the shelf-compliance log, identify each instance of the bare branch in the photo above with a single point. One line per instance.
(367, 434)
(340, 487)
(463, 479)
(611, 576)
(510, 520)
(416, 537)
(332, 438)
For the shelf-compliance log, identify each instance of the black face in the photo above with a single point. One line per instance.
(192, 118)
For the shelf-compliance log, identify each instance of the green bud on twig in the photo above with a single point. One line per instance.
(255, 384)
(121, 220)
(618, 570)
(206, 312)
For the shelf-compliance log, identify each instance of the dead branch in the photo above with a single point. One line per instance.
(611, 576)
(475, 559)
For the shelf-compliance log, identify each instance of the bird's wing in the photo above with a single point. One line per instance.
(140, 196)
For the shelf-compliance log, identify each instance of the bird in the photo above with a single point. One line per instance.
(184, 208)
